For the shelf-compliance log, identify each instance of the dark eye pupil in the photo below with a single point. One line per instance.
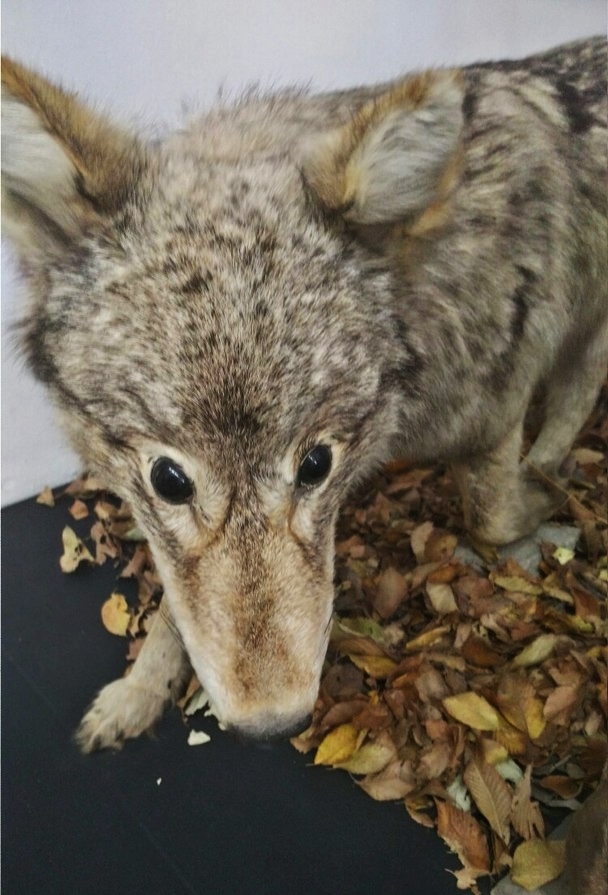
(315, 466)
(170, 481)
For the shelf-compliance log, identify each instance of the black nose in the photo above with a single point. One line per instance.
(267, 730)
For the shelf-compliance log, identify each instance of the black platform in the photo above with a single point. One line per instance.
(226, 818)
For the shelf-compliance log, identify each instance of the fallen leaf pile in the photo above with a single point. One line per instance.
(470, 689)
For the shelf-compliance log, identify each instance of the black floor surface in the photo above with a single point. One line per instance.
(162, 817)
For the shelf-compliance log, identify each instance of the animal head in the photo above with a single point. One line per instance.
(215, 323)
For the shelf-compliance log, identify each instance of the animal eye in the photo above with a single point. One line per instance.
(170, 481)
(315, 467)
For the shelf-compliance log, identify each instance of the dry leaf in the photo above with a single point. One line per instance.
(79, 510)
(115, 615)
(441, 597)
(472, 710)
(416, 812)
(516, 584)
(524, 677)
(390, 591)
(463, 835)
(559, 704)
(198, 738)
(565, 787)
(394, 782)
(428, 638)
(491, 795)
(518, 702)
(74, 551)
(536, 862)
(418, 539)
(371, 757)
(584, 456)
(526, 818)
(338, 746)
(537, 651)
(46, 497)
(376, 666)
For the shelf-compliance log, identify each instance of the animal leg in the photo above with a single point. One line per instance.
(570, 397)
(131, 705)
(501, 501)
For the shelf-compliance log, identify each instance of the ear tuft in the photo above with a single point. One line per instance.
(62, 164)
(396, 157)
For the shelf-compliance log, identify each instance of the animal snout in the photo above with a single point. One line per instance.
(271, 727)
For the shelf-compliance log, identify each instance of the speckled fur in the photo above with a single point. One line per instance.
(393, 270)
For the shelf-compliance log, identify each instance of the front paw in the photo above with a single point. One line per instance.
(121, 711)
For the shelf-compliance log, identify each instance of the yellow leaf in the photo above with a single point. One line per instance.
(74, 551)
(516, 584)
(536, 862)
(427, 638)
(338, 746)
(115, 615)
(563, 555)
(493, 752)
(372, 757)
(376, 666)
(537, 651)
(473, 710)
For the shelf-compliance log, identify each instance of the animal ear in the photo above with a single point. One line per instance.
(63, 166)
(397, 157)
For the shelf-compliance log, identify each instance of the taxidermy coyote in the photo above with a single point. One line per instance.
(240, 322)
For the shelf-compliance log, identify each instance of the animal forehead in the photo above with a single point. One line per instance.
(242, 223)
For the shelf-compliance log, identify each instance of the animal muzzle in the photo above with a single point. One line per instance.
(270, 726)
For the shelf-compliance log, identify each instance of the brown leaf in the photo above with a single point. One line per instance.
(395, 781)
(79, 510)
(478, 651)
(526, 818)
(463, 835)
(415, 809)
(440, 546)
(491, 794)
(391, 588)
(565, 787)
(431, 685)
(560, 704)
(517, 700)
(434, 760)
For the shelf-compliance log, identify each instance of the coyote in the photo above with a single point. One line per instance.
(241, 321)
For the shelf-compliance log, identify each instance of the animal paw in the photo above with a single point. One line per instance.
(121, 711)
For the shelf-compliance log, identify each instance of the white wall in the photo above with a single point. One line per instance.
(142, 58)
